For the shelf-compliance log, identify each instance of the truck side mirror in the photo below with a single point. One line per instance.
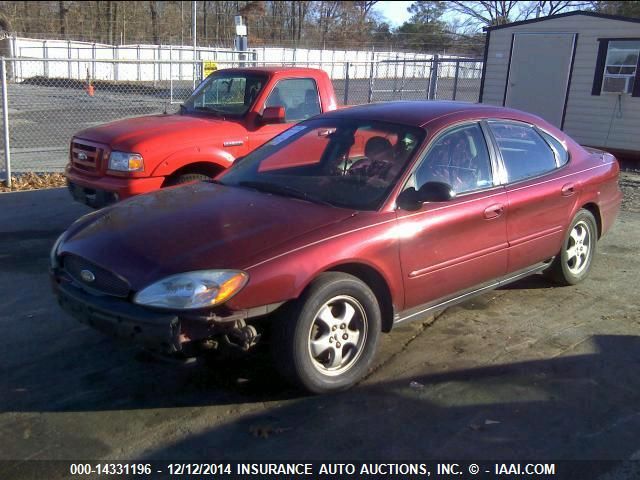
(273, 115)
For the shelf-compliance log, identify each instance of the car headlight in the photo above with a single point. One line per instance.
(53, 255)
(126, 162)
(191, 290)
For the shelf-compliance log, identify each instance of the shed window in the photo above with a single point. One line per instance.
(617, 68)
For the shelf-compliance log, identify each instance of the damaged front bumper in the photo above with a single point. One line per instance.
(118, 318)
(162, 332)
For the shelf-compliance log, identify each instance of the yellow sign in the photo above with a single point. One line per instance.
(209, 67)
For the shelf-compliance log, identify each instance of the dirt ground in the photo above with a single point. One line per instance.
(531, 371)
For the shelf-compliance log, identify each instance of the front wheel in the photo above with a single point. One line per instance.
(573, 263)
(326, 340)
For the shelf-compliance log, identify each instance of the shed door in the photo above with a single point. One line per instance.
(539, 74)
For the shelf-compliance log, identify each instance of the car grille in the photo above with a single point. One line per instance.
(86, 157)
(105, 281)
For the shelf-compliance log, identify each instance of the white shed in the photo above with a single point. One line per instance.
(578, 70)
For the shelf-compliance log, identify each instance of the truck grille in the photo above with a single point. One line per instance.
(86, 157)
(104, 281)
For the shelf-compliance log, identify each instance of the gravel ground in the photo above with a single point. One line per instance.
(630, 186)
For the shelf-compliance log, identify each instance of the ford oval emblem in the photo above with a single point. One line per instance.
(87, 276)
(82, 156)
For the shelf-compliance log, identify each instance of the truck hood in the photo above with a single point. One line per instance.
(142, 134)
(193, 227)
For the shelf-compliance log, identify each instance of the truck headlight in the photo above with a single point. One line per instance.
(191, 290)
(126, 162)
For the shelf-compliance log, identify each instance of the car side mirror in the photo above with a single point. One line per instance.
(412, 199)
(273, 115)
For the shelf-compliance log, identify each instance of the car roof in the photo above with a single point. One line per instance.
(420, 113)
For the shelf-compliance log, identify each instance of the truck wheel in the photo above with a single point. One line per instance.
(326, 340)
(186, 178)
(573, 263)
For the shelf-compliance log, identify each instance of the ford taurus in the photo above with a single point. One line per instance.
(338, 229)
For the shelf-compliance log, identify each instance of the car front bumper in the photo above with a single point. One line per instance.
(118, 318)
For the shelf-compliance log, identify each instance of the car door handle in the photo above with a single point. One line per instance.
(493, 211)
(568, 189)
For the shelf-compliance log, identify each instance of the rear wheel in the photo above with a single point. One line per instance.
(326, 340)
(573, 263)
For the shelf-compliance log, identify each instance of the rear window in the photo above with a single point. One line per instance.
(524, 152)
(558, 148)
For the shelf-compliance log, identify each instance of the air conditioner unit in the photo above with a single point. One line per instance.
(617, 84)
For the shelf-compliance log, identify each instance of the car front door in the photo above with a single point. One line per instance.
(300, 100)
(540, 197)
(449, 247)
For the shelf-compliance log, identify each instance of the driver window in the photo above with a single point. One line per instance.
(298, 96)
(459, 158)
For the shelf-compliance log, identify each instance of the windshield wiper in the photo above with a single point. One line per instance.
(283, 190)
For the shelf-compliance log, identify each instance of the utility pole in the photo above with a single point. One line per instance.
(240, 42)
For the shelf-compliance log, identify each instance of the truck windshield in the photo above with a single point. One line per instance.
(345, 163)
(225, 94)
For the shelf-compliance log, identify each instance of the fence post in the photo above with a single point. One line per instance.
(93, 62)
(404, 68)
(370, 97)
(69, 58)
(433, 78)
(346, 83)
(170, 74)
(45, 54)
(5, 120)
(455, 79)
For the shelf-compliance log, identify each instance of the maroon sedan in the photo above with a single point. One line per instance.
(340, 228)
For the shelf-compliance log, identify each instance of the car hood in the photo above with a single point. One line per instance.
(142, 134)
(193, 227)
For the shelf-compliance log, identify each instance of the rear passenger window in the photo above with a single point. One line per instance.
(524, 152)
(558, 148)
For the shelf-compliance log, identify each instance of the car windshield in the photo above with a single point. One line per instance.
(350, 164)
(225, 94)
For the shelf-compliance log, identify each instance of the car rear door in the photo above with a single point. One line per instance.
(540, 197)
(449, 247)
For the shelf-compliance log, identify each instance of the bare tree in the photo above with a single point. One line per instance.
(62, 17)
(486, 13)
(365, 7)
(153, 6)
(544, 8)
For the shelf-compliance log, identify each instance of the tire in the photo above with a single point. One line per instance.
(573, 263)
(325, 341)
(186, 178)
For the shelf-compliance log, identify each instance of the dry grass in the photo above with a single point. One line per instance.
(34, 181)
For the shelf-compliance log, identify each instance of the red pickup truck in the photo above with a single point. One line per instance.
(231, 113)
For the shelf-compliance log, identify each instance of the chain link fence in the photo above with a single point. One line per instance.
(47, 101)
